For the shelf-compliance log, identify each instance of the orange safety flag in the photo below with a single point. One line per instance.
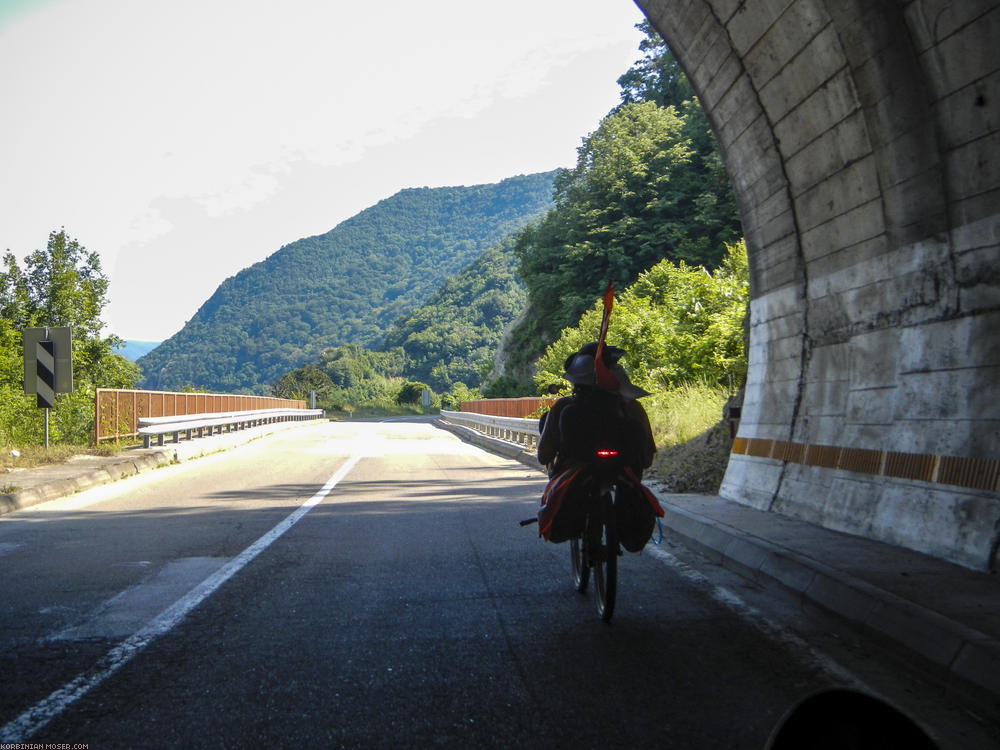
(605, 378)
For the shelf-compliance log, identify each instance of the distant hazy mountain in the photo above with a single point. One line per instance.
(132, 350)
(343, 287)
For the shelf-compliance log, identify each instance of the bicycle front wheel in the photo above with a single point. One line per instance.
(605, 559)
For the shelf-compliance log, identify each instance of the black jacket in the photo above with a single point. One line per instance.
(577, 426)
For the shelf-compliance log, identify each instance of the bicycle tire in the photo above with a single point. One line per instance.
(578, 559)
(606, 562)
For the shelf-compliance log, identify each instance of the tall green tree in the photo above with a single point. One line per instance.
(657, 77)
(648, 184)
(66, 286)
(60, 286)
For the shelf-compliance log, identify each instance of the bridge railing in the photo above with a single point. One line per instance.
(117, 412)
(507, 407)
(160, 427)
(523, 432)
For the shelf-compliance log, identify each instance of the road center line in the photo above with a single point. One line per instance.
(30, 721)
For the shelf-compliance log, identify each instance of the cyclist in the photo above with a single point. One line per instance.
(602, 413)
(596, 414)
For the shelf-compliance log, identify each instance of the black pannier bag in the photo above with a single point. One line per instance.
(636, 511)
(562, 514)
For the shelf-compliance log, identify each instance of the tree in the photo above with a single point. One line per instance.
(65, 286)
(299, 383)
(14, 303)
(648, 184)
(677, 324)
(62, 285)
(411, 392)
(657, 77)
(631, 200)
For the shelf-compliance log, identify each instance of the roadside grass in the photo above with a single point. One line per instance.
(26, 457)
(692, 438)
(682, 414)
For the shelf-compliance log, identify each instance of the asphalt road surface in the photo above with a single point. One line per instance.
(368, 585)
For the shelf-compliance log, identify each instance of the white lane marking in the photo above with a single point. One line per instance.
(126, 612)
(20, 729)
(765, 624)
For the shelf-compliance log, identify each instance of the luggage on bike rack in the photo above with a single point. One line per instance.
(562, 513)
(636, 511)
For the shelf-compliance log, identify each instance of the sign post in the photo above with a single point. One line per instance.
(48, 366)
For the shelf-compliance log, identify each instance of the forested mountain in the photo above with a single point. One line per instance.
(453, 337)
(344, 287)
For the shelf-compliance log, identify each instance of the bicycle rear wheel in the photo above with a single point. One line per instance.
(605, 559)
(581, 572)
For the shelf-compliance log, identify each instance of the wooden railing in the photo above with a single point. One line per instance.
(507, 407)
(117, 412)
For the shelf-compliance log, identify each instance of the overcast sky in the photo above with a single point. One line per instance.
(186, 140)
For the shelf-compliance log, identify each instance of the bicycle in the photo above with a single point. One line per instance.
(591, 526)
(597, 546)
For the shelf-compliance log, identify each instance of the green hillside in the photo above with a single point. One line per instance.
(453, 337)
(344, 287)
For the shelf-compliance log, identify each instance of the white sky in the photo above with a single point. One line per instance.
(184, 141)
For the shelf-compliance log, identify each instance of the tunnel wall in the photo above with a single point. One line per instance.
(862, 138)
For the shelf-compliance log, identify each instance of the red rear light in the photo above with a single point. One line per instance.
(606, 453)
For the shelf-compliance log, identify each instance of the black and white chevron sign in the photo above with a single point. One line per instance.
(45, 369)
(48, 363)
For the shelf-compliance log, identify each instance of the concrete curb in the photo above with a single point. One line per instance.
(949, 645)
(112, 472)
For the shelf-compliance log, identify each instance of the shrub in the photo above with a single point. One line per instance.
(410, 392)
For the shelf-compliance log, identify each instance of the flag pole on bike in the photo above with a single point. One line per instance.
(605, 378)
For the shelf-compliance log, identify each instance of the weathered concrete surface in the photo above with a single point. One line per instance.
(862, 138)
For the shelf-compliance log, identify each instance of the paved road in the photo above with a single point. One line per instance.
(366, 585)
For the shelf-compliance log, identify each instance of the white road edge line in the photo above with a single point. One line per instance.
(30, 721)
(758, 619)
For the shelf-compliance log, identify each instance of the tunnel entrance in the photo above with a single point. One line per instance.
(862, 140)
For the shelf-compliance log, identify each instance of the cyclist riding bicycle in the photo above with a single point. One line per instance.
(596, 443)
(600, 419)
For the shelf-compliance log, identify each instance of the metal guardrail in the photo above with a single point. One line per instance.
(523, 432)
(160, 427)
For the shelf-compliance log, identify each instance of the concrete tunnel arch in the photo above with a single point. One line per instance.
(862, 138)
